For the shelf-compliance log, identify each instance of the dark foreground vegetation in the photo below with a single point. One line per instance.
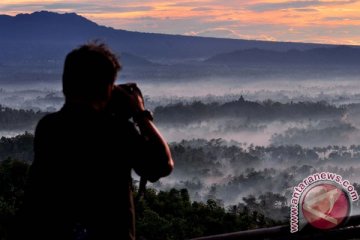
(160, 215)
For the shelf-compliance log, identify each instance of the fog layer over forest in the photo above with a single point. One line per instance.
(308, 113)
(231, 171)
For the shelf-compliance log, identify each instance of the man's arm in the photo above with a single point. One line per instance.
(159, 162)
(155, 161)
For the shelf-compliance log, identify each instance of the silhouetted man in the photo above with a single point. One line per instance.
(80, 181)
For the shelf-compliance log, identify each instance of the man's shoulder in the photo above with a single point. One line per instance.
(49, 119)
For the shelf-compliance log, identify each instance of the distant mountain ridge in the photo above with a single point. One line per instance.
(65, 31)
(342, 55)
(44, 23)
(34, 46)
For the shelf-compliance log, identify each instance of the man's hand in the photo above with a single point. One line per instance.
(132, 92)
(129, 95)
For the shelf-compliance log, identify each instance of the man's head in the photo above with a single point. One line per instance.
(89, 73)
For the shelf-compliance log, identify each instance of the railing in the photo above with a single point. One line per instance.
(350, 230)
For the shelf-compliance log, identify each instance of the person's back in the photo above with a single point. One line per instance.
(80, 180)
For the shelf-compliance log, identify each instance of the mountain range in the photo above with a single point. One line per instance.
(33, 48)
(58, 33)
(338, 55)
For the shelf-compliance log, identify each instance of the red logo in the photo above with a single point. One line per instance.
(325, 206)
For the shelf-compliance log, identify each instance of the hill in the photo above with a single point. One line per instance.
(34, 47)
(339, 55)
(57, 33)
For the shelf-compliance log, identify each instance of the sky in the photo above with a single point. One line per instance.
(320, 21)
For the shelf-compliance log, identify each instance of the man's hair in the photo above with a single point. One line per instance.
(88, 70)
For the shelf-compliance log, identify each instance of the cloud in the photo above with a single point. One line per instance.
(145, 18)
(341, 19)
(172, 25)
(216, 32)
(229, 33)
(75, 7)
(187, 4)
(202, 9)
(305, 10)
(263, 7)
(318, 33)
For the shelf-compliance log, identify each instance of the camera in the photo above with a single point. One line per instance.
(120, 102)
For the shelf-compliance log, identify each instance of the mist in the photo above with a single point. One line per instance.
(334, 90)
(243, 138)
(342, 128)
(231, 171)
